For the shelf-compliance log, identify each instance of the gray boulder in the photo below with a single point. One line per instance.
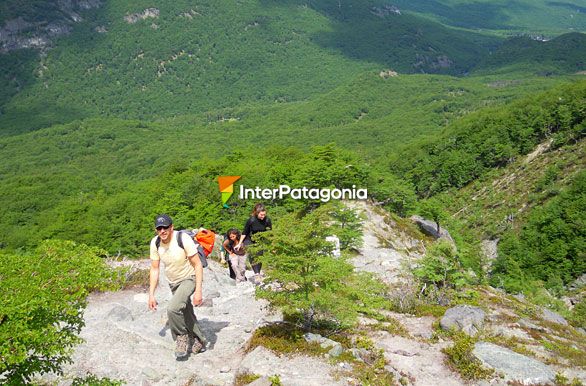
(579, 283)
(336, 348)
(553, 317)
(336, 351)
(514, 367)
(430, 228)
(464, 318)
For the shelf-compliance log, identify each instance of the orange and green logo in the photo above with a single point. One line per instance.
(226, 184)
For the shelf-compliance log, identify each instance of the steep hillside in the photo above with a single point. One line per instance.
(563, 54)
(532, 209)
(98, 168)
(529, 17)
(139, 60)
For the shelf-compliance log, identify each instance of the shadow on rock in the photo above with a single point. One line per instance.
(210, 330)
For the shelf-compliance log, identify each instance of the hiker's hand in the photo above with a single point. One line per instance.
(152, 303)
(197, 299)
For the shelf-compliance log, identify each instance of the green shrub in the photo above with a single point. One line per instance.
(440, 268)
(41, 305)
(245, 378)
(460, 358)
(93, 380)
(578, 316)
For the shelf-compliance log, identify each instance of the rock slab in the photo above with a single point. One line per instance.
(553, 317)
(468, 319)
(515, 367)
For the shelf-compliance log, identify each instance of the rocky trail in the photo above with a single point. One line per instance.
(126, 341)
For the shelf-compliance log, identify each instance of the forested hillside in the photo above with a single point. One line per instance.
(142, 60)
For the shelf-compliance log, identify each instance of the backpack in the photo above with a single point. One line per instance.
(204, 240)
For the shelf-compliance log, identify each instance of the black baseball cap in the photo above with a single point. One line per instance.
(163, 220)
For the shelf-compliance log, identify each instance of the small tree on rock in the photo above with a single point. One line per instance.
(297, 257)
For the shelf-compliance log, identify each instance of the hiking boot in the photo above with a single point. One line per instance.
(181, 346)
(196, 345)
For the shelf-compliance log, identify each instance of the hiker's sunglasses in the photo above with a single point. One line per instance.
(162, 228)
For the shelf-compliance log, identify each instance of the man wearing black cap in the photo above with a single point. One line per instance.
(184, 272)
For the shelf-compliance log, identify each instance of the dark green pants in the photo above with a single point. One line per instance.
(181, 316)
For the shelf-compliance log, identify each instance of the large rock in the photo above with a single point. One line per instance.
(579, 283)
(292, 370)
(430, 228)
(336, 348)
(553, 317)
(514, 367)
(489, 249)
(464, 318)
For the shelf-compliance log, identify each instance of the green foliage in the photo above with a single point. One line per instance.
(532, 17)
(245, 378)
(347, 226)
(41, 305)
(440, 268)
(578, 316)
(211, 58)
(551, 245)
(275, 380)
(284, 338)
(563, 54)
(93, 380)
(461, 359)
(297, 256)
(313, 284)
(562, 380)
(490, 139)
(372, 371)
(434, 210)
(397, 195)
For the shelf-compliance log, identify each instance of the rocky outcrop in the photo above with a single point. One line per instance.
(335, 347)
(385, 10)
(514, 367)
(467, 319)
(385, 246)
(19, 33)
(152, 13)
(293, 371)
(430, 228)
(489, 249)
(388, 74)
(122, 336)
(553, 317)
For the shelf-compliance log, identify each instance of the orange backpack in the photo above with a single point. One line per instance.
(206, 239)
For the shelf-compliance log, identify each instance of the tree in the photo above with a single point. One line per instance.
(433, 209)
(347, 225)
(296, 256)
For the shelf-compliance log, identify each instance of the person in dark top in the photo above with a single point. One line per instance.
(258, 222)
(237, 256)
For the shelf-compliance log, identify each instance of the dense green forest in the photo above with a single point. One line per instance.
(522, 16)
(196, 58)
(434, 107)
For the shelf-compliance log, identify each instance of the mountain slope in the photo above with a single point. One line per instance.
(565, 53)
(531, 17)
